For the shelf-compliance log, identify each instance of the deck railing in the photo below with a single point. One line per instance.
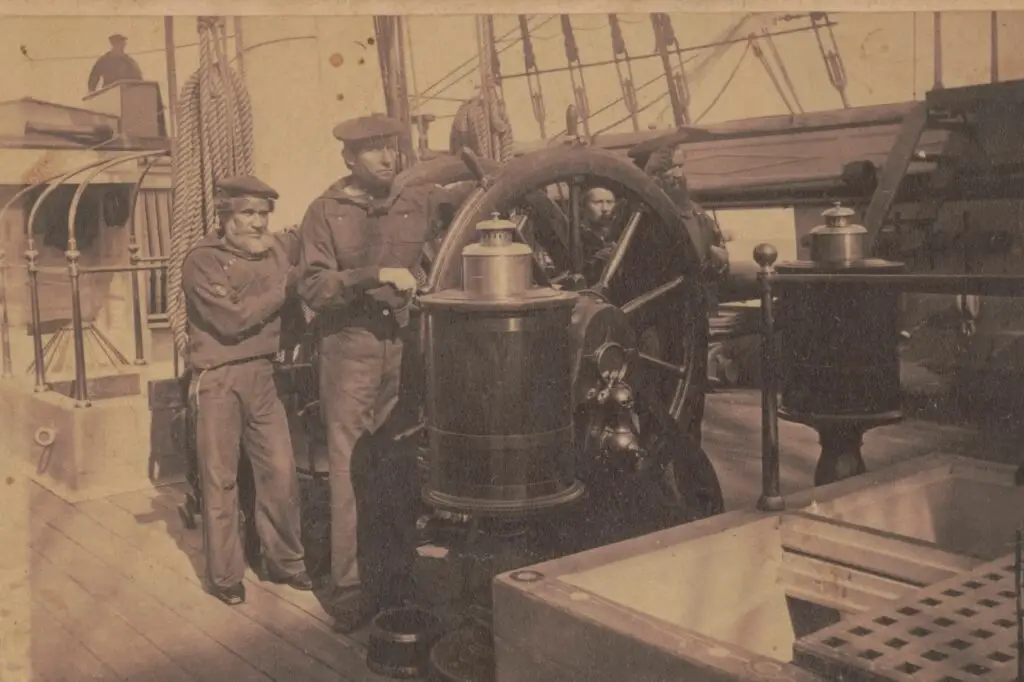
(136, 264)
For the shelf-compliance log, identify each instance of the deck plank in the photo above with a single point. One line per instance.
(164, 502)
(293, 625)
(99, 628)
(234, 627)
(162, 505)
(204, 658)
(58, 656)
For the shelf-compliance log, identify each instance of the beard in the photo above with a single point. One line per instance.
(253, 245)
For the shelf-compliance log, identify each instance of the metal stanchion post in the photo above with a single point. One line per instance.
(771, 497)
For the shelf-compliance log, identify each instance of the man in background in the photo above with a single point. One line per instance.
(600, 230)
(115, 66)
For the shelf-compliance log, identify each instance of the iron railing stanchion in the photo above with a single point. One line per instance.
(771, 496)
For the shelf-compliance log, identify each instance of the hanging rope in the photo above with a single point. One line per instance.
(626, 82)
(665, 42)
(482, 124)
(533, 82)
(215, 140)
(579, 84)
(470, 129)
(759, 53)
(830, 55)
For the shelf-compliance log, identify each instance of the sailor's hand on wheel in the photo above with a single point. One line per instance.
(400, 278)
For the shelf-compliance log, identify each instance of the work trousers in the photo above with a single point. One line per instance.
(235, 405)
(374, 500)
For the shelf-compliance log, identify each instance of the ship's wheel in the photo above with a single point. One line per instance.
(641, 326)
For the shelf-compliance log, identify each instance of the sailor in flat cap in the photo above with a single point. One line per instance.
(114, 66)
(236, 283)
(362, 245)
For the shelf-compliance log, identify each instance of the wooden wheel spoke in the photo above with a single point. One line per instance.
(576, 224)
(621, 248)
(642, 301)
(526, 234)
(559, 224)
(659, 364)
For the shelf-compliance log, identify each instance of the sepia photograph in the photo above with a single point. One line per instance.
(347, 344)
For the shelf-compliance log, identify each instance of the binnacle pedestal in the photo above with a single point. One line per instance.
(840, 353)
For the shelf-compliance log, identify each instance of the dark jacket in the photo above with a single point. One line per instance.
(112, 68)
(348, 236)
(235, 303)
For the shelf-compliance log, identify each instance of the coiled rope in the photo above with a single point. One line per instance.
(215, 140)
(470, 129)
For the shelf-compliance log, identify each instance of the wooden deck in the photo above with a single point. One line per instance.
(116, 595)
(114, 590)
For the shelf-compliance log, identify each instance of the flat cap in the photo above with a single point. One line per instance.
(117, 37)
(368, 127)
(246, 186)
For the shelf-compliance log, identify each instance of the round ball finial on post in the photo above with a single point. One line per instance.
(765, 255)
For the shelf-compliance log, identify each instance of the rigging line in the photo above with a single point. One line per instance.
(572, 58)
(471, 63)
(759, 53)
(785, 72)
(833, 62)
(535, 86)
(473, 67)
(461, 66)
(680, 50)
(913, 61)
(611, 104)
(411, 66)
(70, 58)
(626, 81)
(725, 87)
(643, 86)
(135, 53)
(640, 109)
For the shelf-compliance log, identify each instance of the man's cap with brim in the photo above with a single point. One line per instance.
(246, 186)
(368, 128)
(117, 38)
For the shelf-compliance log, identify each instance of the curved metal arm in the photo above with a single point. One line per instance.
(136, 190)
(134, 259)
(100, 168)
(57, 182)
(25, 190)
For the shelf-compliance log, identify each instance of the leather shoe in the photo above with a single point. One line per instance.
(300, 581)
(232, 596)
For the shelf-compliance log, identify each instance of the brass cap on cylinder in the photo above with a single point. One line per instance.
(838, 241)
(497, 266)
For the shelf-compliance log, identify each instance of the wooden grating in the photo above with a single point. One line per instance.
(959, 630)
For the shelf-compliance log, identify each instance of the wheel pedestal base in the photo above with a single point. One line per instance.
(841, 438)
(841, 456)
